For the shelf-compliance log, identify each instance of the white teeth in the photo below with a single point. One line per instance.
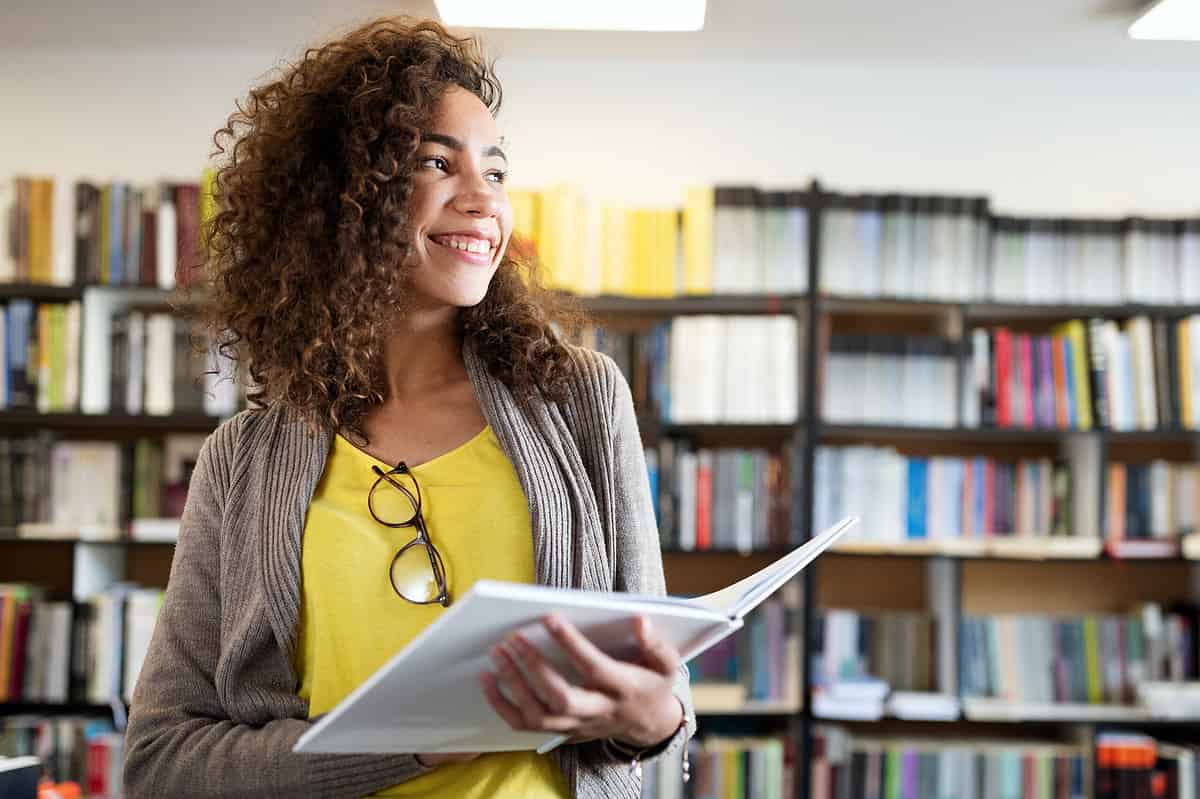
(468, 245)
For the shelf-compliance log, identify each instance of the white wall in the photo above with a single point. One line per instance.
(1047, 140)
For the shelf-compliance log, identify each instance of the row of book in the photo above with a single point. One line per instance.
(721, 498)
(155, 369)
(95, 490)
(77, 753)
(1096, 659)
(897, 647)
(760, 664)
(1141, 375)
(1133, 766)
(852, 766)
(945, 498)
(80, 232)
(153, 366)
(919, 375)
(1111, 262)
(710, 369)
(904, 246)
(727, 767)
(725, 240)
(55, 651)
(1157, 500)
(39, 355)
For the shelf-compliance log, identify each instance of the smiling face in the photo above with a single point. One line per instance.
(459, 214)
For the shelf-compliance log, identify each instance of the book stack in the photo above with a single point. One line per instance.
(94, 490)
(58, 652)
(39, 355)
(725, 240)
(1151, 505)
(1138, 375)
(721, 498)
(1096, 262)
(974, 500)
(727, 767)
(757, 666)
(1129, 766)
(695, 369)
(896, 647)
(870, 767)
(114, 234)
(155, 370)
(920, 372)
(85, 751)
(1091, 659)
(904, 247)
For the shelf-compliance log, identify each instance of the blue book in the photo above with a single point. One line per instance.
(918, 496)
(979, 487)
(1072, 389)
(918, 493)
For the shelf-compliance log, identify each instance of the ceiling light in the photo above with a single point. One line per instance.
(608, 15)
(1177, 20)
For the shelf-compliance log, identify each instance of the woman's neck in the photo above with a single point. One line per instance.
(423, 353)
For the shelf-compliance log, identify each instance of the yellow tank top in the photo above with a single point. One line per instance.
(352, 622)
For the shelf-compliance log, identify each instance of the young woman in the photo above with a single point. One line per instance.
(420, 425)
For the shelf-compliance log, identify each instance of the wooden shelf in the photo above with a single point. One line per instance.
(700, 304)
(107, 423)
(39, 291)
(53, 708)
(996, 548)
(852, 432)
(982, 312)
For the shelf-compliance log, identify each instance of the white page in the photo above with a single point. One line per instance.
(743, 596)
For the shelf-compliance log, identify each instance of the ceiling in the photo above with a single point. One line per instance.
(1015, 33)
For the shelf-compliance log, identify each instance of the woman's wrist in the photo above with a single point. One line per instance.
(673, 718)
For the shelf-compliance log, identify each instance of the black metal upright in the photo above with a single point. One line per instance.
(807, 431)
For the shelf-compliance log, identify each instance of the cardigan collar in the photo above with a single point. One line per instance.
(535, 437)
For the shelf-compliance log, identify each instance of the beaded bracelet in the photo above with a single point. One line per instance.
(636, 755)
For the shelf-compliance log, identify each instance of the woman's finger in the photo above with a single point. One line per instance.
(657, 653)
(557, 695)
(596, 669)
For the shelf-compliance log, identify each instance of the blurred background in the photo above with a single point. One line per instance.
(961, 239)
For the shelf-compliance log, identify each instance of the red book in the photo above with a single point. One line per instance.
(97, 767)
(1001, 359)
(1026, 387)
(187, 233)
(704, 500)
(989, 498)
(20, 649)
(1062, 414)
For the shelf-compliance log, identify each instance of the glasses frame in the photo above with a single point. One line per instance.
(417, 521)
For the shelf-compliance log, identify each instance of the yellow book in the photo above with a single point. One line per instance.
(1091, 648)
(667, 252)
(698, 241)
(557, 240)
(525, 212)
(58, 356)
(635, 268)
(1074, 332)
(44, 347)
(8, 615)
(40, 230)
(614, 242)
(732, 772)
(103, 243)
(1184, 353)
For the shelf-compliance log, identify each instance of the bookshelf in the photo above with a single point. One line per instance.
(949, 579)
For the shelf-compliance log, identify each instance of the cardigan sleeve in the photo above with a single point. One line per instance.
(180, 742)
(638, 555)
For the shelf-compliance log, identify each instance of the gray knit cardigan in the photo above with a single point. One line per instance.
(215, 712)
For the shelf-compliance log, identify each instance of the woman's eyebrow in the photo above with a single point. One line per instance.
(457, 146)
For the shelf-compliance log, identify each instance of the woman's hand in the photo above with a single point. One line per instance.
(630, 702)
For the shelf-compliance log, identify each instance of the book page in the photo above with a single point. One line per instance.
(743, 596)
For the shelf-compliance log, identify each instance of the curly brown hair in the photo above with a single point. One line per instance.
(310, 226)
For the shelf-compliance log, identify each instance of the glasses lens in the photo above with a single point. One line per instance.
(412, 574)
(389, 503)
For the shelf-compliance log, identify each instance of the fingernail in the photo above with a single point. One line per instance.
(553, 623)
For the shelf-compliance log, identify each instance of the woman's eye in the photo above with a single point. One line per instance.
(497, 176)
(435, 162)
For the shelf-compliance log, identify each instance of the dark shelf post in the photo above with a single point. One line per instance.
(809, 430)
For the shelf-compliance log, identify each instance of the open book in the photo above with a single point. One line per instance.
(427, 698)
